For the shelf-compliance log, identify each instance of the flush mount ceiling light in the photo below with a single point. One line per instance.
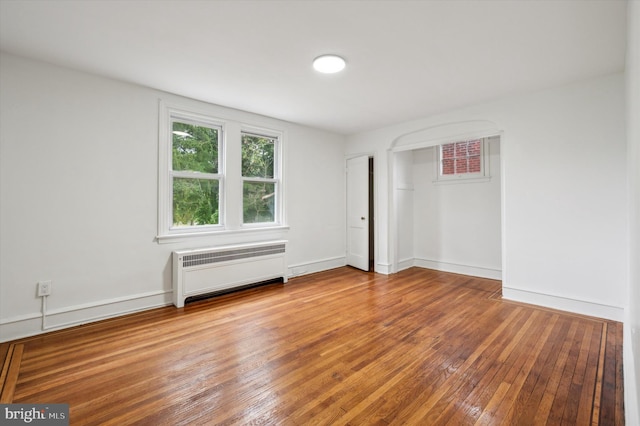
(329, 64)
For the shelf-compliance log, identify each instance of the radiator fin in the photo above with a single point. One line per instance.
(234, 254)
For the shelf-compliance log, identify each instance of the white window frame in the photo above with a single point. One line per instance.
(230, 228)
(277, 136)
(166, 174)
(481, 176)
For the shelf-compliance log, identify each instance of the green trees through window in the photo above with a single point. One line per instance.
(196, 176)
(259, 178)
(195, 148)
(216, 175)
(196, 182)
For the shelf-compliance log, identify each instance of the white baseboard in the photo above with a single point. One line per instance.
(316, 266)
(406, 264)
(33, 324)
(475, 271)
(20, 326)
(383, 268)
(582, 307)
(57, 319)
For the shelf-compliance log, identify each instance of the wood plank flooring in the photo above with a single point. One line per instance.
(419, 347)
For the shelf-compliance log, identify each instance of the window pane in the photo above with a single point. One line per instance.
(195, 202)
(257, 156)
(448, 150)
(474, 164)
(195, 148)
(259, 202)
(461, 157)
(461, 149)
(448, 166)
(474, 147)
(461, 165)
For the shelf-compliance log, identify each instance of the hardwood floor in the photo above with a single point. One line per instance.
(339, 347)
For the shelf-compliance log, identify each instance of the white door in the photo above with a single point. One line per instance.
(358, 212)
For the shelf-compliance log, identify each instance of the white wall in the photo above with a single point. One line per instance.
(78, 196)
(632, 320)
(457, 225)
(565, 220)
(316, 200)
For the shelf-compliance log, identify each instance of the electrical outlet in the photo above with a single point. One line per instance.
(44, 288)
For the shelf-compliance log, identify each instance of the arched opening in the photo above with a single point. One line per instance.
(450, 225)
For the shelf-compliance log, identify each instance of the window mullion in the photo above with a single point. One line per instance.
(196, 175)
(258, 179)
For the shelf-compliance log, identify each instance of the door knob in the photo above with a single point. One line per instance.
(362, 218)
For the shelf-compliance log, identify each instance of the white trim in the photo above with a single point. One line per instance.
(164, 167)
(306, 268)
(392, 213)
(457, 268)
(260, 131)
(582, 307)
(20, 318)
(14, 328)
(30, 325)
(406, 264)
(503, 207)
(631, 408)
(175, 238)
(383, 268)
(456, 180)
(444, 133)
(198, 175)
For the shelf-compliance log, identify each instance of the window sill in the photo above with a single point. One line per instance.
(447, 181)
(175, 238)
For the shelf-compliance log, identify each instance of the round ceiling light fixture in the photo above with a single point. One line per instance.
(329, 64)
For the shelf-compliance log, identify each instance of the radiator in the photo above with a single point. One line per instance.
(209, 270)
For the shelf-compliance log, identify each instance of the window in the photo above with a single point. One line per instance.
(462, 160)
(195, 174)
(260, 181)
(217, 177)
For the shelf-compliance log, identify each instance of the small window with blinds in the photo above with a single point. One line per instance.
(462, 160)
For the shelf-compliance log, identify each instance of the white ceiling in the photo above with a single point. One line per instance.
(405, 59)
